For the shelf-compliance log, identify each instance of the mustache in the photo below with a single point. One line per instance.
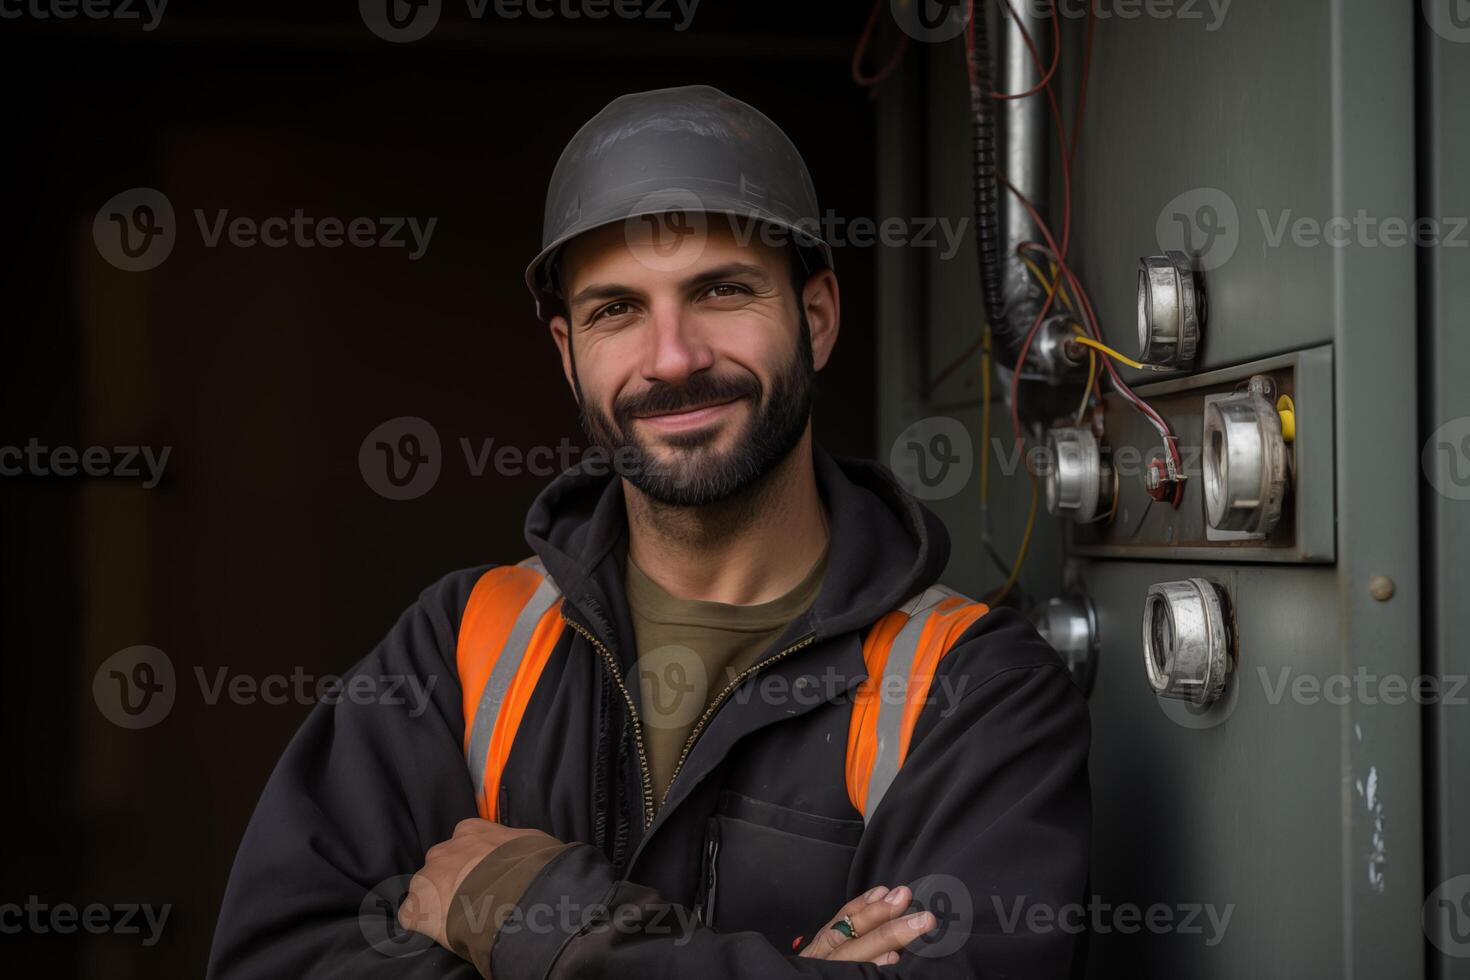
(699, 389)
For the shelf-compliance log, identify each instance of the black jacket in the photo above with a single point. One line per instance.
(988, 820)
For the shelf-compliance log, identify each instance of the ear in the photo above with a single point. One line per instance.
(823, 305)
(561, 333)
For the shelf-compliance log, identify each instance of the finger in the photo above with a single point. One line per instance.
(888, 938)
(829, 938)
(871, 916)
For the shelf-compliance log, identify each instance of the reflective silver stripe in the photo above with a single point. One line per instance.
(504, 672)
(890, 711)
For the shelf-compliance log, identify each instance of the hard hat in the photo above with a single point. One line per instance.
(690, 149)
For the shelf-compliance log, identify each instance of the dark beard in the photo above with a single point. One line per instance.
(698, 476)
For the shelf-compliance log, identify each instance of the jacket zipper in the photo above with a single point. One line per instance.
(714, 706)
(704, 910)
(612, 668)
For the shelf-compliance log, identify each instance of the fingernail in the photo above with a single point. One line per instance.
(875, 894)
(897, 897)
(921, 922)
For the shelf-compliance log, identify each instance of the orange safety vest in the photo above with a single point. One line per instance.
(513, 621)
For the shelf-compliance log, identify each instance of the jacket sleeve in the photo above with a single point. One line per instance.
(988, 821)
(374, 778)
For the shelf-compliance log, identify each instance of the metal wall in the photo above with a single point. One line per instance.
(1276, 144)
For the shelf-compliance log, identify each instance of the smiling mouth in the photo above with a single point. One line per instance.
(689, 418)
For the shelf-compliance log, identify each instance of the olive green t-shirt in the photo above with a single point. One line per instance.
(690, 651)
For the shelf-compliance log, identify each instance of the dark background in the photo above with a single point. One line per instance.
(263, 550)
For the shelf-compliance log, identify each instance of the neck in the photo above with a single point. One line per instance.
(751, 548)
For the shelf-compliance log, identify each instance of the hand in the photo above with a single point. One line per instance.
(880, 926)
(426, 907)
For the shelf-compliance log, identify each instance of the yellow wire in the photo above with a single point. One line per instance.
(1025, 543)
(1091, 378)
(1099, 345)
(1051, 286)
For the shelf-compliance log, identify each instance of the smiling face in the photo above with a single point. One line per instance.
(693, 367)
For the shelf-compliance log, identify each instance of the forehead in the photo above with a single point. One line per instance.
(655, 248)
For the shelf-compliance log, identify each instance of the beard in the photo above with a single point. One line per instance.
(696, 474)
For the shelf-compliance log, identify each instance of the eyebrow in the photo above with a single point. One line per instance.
(730, 270)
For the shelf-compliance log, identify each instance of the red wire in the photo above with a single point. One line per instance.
(894, 59)
(1056, 55)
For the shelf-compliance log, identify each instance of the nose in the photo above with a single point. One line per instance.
(677, 346)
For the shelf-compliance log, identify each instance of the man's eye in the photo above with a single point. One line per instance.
(721, 290)
(611, 309)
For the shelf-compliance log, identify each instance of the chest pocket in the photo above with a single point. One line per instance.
(773, 870)
(510, 626)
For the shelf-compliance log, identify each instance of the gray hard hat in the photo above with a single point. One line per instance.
(676, 149)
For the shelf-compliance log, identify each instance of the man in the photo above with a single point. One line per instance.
(827, 764)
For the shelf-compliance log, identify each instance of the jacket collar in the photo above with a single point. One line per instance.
(885, 547)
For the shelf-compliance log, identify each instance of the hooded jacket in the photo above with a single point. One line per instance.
(757, 842)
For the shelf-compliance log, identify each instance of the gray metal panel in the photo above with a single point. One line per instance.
(1239, 808)
(1445, 424)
